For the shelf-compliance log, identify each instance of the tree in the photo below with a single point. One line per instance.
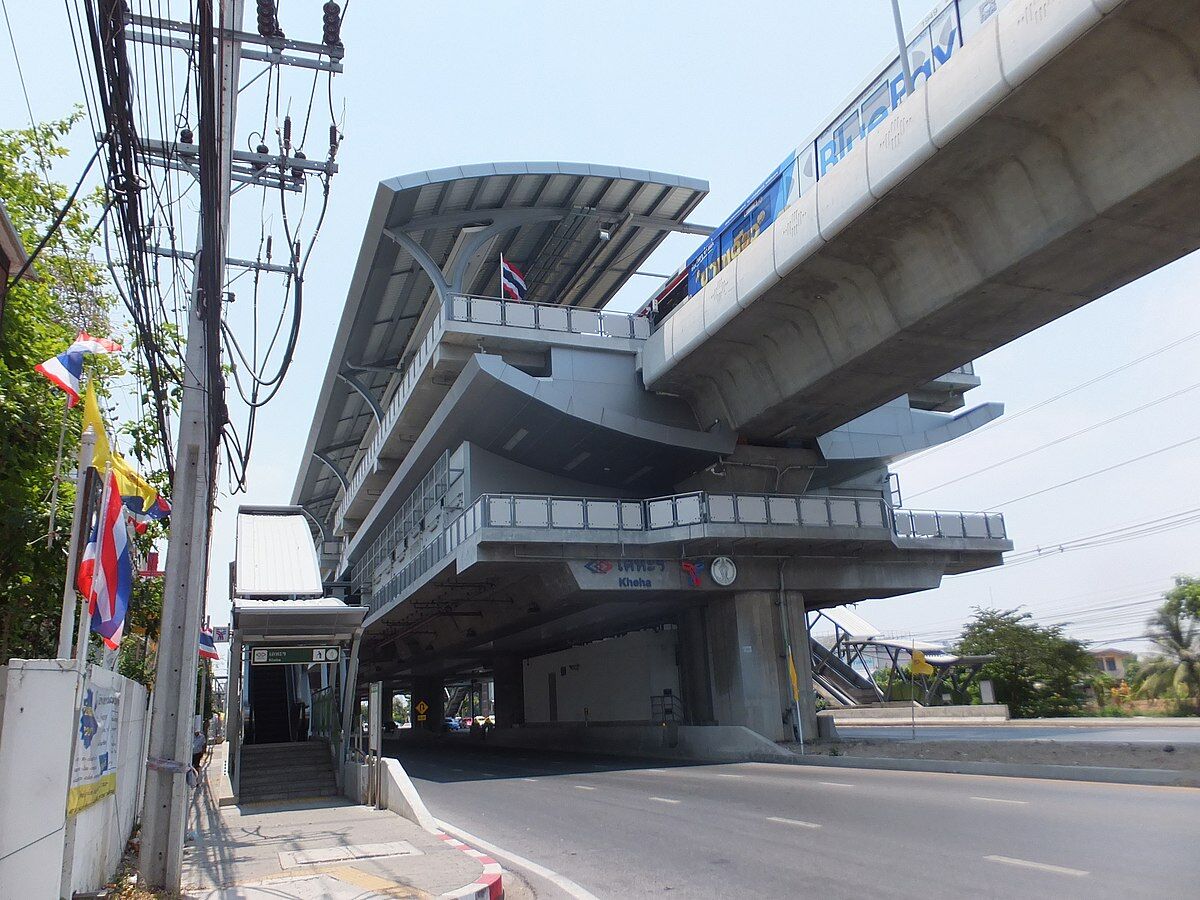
(1175, 630)
(1037, 671)
(40, 319)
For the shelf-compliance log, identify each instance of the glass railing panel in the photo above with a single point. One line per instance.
(752, 510)
(499, 511)
(995, 523)
(950, 525)
(925, 524)
(604, 514)
(870, 513)
(531, 512)
(661, 512)
(783, 511)
(814, 511)
(689, 509)
(585, 321)
(722, 508)
(520, 315)
(566, 513)
(553, 318)
(632, 517)
(617, 324)
(975, 525)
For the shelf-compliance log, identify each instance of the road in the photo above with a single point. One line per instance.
(1145, 734)
(629, 828)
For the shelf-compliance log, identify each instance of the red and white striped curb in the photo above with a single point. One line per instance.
(489, 885)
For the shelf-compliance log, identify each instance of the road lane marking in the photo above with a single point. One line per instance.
(728, 775)
(488, 774)
(835, 784)
(561, 881)
(648, 771)
(795, 822)
(665, 800)
(458, 770)
(529, 779)
(584, 787)
(1041, 867)
(1000, 800)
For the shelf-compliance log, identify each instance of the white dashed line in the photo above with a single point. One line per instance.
(584, 787)
(795, 822)
(728, 775)
(1043, 867)
(999, 800)
(649, 772)
(529, 779)
(664, 800)
(835, 784)
(488, 774)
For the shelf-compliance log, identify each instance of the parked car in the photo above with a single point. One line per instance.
(452, 724)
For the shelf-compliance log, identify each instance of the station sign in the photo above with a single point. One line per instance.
(221, 634)
(284, 656)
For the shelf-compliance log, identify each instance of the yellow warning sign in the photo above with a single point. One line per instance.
(422, 707)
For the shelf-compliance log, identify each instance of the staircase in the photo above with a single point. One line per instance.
(839, 683)
(269, 704)
(288, 771)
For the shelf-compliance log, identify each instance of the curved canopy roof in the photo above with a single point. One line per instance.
(577, 231)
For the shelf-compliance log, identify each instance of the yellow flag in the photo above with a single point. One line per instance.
(129, 482)
(919, 666)
(795, 678)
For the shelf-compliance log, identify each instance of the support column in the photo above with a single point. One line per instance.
(233, 711)
(509, 692)
(802, 657)
(745, 649)
(695, 679)
(429, 691)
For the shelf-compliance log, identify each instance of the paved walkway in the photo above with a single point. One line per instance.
(323, 848)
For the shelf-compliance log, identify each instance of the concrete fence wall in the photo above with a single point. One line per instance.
(38, 728)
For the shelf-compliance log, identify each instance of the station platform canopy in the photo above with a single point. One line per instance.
(577, 231)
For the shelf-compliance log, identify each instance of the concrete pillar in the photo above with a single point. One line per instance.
(695, 680)
(509, 688)
(745, 647)
(431, 693)
(802, 657)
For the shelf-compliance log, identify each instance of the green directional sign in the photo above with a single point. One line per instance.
(284, 656)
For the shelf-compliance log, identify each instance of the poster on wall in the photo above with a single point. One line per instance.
(94, 774)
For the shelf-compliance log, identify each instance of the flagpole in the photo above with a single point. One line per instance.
(87, 446)
(62, 434)
(81, 639)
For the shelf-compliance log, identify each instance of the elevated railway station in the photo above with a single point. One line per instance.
(629, 517)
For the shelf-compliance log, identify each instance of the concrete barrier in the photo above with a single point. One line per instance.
(903, 713)
(708, 743)
(401, 797)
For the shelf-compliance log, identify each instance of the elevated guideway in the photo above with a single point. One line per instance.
(1051, 157)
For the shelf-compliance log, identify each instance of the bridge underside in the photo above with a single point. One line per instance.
(1080, 180)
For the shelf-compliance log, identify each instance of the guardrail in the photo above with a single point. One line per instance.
(614, 516)
(546, 317)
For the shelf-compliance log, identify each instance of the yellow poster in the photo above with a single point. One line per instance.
(94, 774)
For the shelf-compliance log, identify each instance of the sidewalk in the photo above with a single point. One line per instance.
(322, 848)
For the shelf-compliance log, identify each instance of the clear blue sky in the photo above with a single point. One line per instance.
(719, 92)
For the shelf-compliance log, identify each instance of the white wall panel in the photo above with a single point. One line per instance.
(843, 193)
(1031, 33)
(898, 145)
(756, 268)
(970, 84)
(688, 322)
(796, 234)
(720, 298)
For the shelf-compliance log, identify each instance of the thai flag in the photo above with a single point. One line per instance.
(105, 576)
(66, 369)
(208, 647)
(160, 509)
(512, 282)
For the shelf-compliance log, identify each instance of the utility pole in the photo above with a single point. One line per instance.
(164, 814)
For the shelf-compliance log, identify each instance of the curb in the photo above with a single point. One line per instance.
(1103, 774)
(489, 885)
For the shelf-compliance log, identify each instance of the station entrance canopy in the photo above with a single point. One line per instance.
(578, 232)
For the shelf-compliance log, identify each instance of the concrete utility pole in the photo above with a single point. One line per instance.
(164, 814)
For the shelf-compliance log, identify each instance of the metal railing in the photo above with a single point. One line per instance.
(546, 317)
(916, 523)
(614, 516)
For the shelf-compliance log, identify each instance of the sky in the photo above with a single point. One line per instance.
(703, 90)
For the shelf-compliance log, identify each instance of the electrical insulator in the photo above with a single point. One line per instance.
(268, 248)
(185, 136)
(268, 19)
(297, 172)
(334, 140)
(262, 150)
(331, 24)
(287, 132)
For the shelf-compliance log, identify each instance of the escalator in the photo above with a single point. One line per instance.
(270, 706)
(838, 682)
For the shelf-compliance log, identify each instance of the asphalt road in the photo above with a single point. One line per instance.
(1146, 734)
(628, 828)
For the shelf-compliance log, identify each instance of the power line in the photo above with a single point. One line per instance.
(1008, 419)
(1060, 440)
(1071, 481)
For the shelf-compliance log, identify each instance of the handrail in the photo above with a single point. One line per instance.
(617, 515)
